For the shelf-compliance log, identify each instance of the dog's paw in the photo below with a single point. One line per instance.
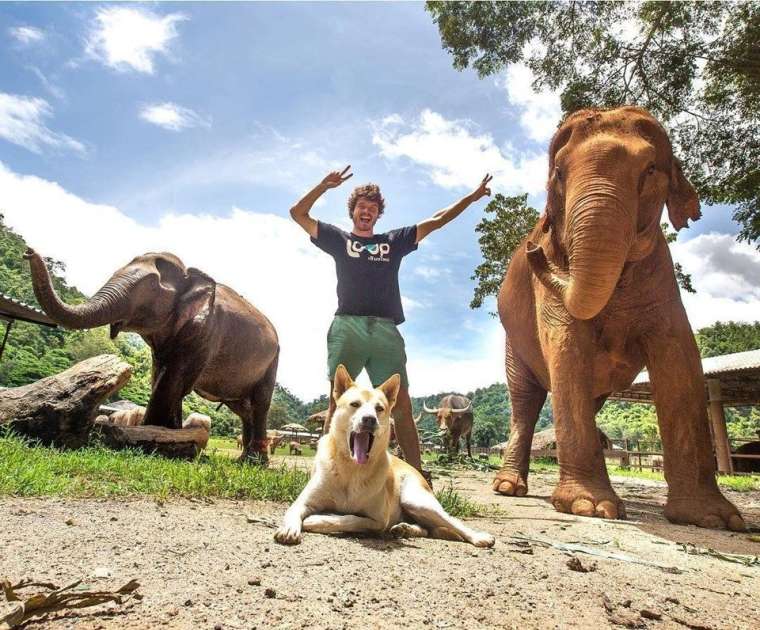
(482, 539)
(288, 535)
(407, 530)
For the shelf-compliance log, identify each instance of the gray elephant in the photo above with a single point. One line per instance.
(203, 337)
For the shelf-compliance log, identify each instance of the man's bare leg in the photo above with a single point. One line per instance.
(406, 430)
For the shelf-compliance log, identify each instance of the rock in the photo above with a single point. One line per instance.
(270, 593)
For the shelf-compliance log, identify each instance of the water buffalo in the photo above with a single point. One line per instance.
(454, 415)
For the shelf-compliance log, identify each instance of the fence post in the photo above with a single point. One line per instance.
(719, 432)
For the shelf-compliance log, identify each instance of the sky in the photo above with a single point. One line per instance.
(193, 128)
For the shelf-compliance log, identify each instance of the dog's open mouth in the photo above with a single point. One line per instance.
(360, 444)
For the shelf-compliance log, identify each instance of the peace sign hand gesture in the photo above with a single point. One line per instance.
(335, 179)
(483, 189)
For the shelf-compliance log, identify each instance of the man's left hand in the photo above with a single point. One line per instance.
(483, 190)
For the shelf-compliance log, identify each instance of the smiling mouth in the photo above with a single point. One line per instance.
(360, 443)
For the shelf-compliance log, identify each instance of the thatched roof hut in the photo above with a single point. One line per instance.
(547, 440)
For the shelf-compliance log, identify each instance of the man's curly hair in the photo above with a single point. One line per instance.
(371, 192)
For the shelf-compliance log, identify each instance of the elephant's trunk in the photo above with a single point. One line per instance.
(108, 305)
(599, 234)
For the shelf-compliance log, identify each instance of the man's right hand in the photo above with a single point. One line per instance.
(336, 178)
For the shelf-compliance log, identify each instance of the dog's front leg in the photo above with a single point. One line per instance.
(292, 523)
(341, 524)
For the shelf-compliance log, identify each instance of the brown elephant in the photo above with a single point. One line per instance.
(589, 299)
(203, 337)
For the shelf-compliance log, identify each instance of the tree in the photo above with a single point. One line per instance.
(499, 238)
(728, 337)
(694, 65)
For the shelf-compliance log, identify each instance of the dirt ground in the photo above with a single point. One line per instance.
(215, 565)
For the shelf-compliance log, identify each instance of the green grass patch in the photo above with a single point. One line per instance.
(738, 483)
(457, 505)
(226, 444)
(29, 470)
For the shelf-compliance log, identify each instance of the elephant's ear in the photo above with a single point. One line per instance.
(683, 203)
(196, 303)
(172, 274)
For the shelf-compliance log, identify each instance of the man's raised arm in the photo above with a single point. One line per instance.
(300, 212)
(442, 217)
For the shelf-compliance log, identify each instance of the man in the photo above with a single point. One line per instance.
(363, 333)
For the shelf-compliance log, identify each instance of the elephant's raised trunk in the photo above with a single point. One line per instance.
(599, 239)
(108, 305)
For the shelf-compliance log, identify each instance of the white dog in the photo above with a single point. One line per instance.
(357, 486)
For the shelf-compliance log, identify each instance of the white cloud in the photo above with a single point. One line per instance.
(47, 84)
(457, 155)
(129, 38)
(172, 117)
(266, 258)
(21, 122)
(540, 111)
(726, 276)
(446, 370)
(26, 34)
(429, 273)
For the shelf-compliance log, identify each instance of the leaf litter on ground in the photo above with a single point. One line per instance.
(43, 603)
(736, 558)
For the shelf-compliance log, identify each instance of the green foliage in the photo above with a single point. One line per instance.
(499, 237)
(694, 65)
(743, 422)
(727, 338)
(632, 421)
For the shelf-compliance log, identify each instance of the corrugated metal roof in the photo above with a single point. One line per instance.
(736, 362)
(12, 308)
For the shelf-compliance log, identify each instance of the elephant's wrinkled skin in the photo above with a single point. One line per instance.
(203, 336)
(589, 299)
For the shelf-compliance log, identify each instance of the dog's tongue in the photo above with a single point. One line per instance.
(361, 447)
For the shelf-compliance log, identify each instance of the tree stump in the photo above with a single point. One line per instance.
(60, 410)
(171, 443)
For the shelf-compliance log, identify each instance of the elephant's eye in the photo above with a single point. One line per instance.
(651, 169)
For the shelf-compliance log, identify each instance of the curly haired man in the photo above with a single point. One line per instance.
(364, 332)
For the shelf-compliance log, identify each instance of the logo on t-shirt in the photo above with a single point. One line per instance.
(376, 251)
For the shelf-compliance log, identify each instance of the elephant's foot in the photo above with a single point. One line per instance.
(257, 458)
(510, 483)
(711, 510)
(587, 499)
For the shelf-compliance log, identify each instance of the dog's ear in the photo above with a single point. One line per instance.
(390, 389)
(341, 382)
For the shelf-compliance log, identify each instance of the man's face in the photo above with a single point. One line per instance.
(366, 213)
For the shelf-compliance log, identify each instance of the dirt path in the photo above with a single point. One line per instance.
(206, 565)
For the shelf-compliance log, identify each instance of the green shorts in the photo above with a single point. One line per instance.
(373, 343)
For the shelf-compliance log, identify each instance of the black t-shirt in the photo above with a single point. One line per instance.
(367, 269)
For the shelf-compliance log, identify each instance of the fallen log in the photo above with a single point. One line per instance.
(60, 410)
(171, 443)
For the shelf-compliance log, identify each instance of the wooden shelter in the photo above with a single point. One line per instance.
(731, 380)
(12, 310)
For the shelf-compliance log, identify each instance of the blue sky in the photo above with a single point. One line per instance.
(194, 127)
